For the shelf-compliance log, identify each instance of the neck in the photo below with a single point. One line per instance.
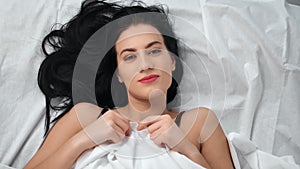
(137, 109)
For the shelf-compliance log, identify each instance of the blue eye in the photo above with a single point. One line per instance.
(154, 51)
(129, 57)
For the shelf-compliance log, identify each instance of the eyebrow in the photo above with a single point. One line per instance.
(147, 46)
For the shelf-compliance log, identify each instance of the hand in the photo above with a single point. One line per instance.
(109, 127)
(163, 130)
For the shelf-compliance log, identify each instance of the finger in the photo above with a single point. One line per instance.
(119, 120)
(123, 118)
(158, 141)
(141, 126)
(115, 127)
(156, 134)
(115, 133)
(125, 126)
(127, 133)
(116, 137)
(95, 133)
(153, 127)
(148, 121)
(171, 136)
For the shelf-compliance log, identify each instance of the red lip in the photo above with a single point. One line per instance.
(149, 78)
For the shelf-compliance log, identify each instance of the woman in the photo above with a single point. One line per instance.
(143, 59)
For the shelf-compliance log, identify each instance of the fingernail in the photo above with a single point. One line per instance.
(127, 133)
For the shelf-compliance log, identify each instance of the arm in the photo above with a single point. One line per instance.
(215, 140)
(67, 139)
(63, 157)
(207, 144)
(192, 152)
(63, 144)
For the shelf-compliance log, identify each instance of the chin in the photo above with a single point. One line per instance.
(144, 93)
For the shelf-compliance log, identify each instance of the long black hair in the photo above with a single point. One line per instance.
(56, 71)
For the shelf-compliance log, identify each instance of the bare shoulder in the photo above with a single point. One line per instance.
(195, 118)
(79, 116)
(199, 112)
(66, 127)
(193, 122)
(204, 122)
(73, 121)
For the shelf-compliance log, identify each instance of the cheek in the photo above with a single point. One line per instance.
(167, 79)
(127, 73)
(165, 65)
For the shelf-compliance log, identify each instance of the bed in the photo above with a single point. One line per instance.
(242, 58)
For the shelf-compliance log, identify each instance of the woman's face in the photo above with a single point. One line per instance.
(144, 62)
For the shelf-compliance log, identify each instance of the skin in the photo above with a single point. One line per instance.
(140, 54)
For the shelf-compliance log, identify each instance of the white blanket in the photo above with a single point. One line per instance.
(139, 151)
(246, 155)
(135, 151)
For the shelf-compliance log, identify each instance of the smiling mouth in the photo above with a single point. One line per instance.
(149, 79)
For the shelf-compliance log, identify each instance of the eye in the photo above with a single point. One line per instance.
(129, 57)
(154, 51)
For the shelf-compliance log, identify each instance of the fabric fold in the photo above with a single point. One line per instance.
(134, 151)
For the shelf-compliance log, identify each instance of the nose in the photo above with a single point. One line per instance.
(146, 62)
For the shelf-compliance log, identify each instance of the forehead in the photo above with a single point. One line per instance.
(138, 35)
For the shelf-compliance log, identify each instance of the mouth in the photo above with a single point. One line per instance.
(149, 78)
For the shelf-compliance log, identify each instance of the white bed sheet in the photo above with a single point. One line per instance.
(256, 42)
(245, 57)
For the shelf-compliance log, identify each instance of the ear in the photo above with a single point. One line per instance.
(119, 77)
(173, 63)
